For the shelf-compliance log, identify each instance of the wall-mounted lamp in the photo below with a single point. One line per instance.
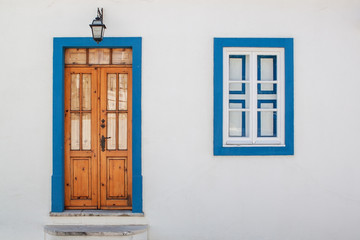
(98, 27)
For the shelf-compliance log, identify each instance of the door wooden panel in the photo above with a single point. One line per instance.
(80, 178)
(98, 137)
(116, 178)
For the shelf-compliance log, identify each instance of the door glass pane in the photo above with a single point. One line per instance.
(75, 56)
(86, 92)
(122, 131)
(99, 56)
(86, 131)
(123, 91)
(75, 131)
(111, 91)
(111, 131)
(121, 56)
(75, 92)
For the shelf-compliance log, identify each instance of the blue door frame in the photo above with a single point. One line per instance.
(57, 195)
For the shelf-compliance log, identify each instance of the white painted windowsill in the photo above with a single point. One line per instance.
(96, 213)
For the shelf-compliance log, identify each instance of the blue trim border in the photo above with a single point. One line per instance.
(57, 187)
(288, 45)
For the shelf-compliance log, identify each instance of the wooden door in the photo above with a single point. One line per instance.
(98, 167)
(115, 155)
(81, 159)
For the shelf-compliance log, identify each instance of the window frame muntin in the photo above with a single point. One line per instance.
(288, 147)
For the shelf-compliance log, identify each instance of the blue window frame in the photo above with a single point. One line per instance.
(57, 196)
(273, 96)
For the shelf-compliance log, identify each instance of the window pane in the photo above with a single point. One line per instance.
(237, 87)
(86, 92)
(267, 124)
(267, 68)
(123, 131)
(267, 104)
(99, 56)
(75, 56)
(239, 95)
(237, 67)
(75, 131)
(86, 131)
(267, 88)
(111, 91)
(111, 131)
(75, 92)
(237, 104)
(238, 124)
(123, 91)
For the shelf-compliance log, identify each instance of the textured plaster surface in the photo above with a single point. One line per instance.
(94, 230)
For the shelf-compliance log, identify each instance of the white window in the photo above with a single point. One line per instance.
(253, 97)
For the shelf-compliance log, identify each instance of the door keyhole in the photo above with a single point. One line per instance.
(102, 123)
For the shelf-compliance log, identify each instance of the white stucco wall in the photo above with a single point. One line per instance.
(189, 193)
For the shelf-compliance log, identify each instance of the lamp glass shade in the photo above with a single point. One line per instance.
(97, 32)
(97, 28)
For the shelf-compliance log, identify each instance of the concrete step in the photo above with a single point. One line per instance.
(95, 232)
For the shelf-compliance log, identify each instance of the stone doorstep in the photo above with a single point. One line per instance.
(97, 213)
(94, 230)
